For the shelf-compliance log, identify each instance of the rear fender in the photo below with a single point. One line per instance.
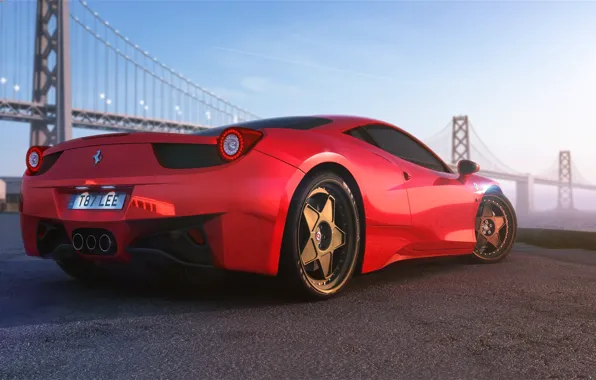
(380, 182)
(296, 147)
(325, 157)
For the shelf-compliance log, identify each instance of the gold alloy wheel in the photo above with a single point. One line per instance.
(322, 237)
(321, 246)
(492, 229)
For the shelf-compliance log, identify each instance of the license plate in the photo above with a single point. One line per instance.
(97, 201)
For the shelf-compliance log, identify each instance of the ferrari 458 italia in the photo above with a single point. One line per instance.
(312, 199)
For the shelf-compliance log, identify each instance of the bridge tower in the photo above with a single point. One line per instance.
(51, 73)
(460, 139)
(565, 198)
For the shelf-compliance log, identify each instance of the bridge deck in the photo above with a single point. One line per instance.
(28, 111)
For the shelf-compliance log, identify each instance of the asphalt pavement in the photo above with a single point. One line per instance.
(530, 317)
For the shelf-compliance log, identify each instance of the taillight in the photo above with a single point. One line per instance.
(34, 158)
(234, 142)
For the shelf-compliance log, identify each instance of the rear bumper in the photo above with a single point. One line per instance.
(177, 240)
(235, 215)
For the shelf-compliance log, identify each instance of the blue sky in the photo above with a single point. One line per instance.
(525, 72)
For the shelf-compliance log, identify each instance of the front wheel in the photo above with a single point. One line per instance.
(496, 228)
(322, 237)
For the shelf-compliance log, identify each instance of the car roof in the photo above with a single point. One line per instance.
(329, 122)
(350, 119)
(342, 122)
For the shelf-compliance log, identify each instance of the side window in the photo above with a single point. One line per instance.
(404, 147)
(361, 134)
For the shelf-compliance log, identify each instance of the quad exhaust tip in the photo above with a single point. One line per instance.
(77, 241)
(91, 242)
(105, 243)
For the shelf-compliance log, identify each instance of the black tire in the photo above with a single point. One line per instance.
(502, 209)
(310, 279)
(84, 271)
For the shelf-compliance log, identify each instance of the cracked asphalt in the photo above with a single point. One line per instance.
(530, 317)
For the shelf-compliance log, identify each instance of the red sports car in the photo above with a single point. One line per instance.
(313, 199)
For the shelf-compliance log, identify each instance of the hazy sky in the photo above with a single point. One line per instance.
(524, 72)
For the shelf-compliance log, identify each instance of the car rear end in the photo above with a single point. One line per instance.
(199, 200)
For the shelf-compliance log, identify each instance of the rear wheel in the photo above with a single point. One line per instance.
(321, 238)
(496, 228)
(82, 270)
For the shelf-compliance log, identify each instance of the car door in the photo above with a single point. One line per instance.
(443, 204)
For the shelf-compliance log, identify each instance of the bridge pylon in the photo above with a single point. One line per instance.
(565, 196)
(460, 139)
(51, 73)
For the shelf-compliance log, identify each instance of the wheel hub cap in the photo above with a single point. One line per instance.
(323, 235)
(488, 227)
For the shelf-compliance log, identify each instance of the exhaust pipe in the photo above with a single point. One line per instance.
(77, 242)
(91, 242)
(105, 243)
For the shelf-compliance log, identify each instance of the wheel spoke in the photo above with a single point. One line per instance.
(328, 213)
(338, 238)
(478, 223)
(494, 239)
(487, 211)
(325, 263)
(311, 216)
(480, 240)
(499, 221)
(309, 253)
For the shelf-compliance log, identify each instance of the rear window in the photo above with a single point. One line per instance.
(294, 122)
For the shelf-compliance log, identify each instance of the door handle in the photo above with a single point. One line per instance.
(407, 176)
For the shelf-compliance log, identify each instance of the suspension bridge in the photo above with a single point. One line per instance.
(62, 66)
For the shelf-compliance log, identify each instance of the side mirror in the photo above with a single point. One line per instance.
(467, 167)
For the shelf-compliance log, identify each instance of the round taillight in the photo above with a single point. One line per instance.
(236, 141)
(34, 158)
(231, 144)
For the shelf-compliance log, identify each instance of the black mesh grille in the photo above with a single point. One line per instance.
(187, 156)
(50, 235)
(47, 162)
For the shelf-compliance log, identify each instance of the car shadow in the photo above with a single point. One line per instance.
(237, 289)
(35, 292)
(411, 270)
